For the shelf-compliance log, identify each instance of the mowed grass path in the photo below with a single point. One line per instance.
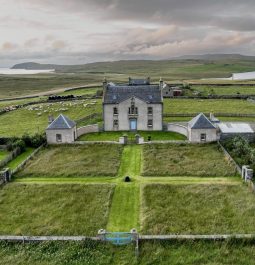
(197, 209)
(186, 160)
(75, 161)
(124, 214)
(54, 209)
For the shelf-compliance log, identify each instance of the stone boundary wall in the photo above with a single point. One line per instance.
(167, 142)
(178, 128)
(31, 239)
(94, 142)
(10, 157)
(230, 158)
(20, 166)
(87, 129)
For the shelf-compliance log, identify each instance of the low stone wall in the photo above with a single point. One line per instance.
(20, 166)
(87, 129)
(95, 142)
(178, 128)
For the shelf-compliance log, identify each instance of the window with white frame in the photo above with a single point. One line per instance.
(150, 110)
(150, 123)
(115, 111)
(203, 137)
(115, 123)
(59, 138)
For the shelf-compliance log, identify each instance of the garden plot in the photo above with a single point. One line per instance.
(205, 160)
(75, 161)
(197, 209)
(54, 209)
(34, 118)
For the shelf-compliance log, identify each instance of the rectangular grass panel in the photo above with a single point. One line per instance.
(197, 209)
(185, 160)
(54, 209)
(75, 161)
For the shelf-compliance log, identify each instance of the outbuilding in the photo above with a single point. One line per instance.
(201, 130)
(61, 130)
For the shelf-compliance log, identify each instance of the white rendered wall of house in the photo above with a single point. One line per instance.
(194, 135)
(142, 117)
(67, 136)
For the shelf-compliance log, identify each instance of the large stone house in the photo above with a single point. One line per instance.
(61, 130)
(137, 105)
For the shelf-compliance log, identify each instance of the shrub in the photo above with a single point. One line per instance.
(34, 140)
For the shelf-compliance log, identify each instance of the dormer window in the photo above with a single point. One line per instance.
(115, 111)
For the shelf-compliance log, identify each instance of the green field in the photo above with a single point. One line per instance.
(34, 118)
(178, 253)
(185, 160)
(80, 75)
(197, 209)
(75, 161)
(224, 90)
(54, 209)
(175, 106)
(114, 136)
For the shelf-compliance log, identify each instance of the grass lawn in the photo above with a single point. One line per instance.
(82, 91)
(87, 252)
(3, 154)
(34, 118)
(174, 106)
(19, 159)
(197, 209)
(54, 209)
(75, 161)
(114, 136)
(185, 160)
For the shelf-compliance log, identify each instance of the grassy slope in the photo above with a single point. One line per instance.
(114, 136)
(34, 118)
(120, 71)
(185, 160)
(38, 209)
(197, 209)
(79, 161)
(124, 214)
(177, 253)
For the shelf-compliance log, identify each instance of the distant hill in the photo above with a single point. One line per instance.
(99, 66)
(214, 57)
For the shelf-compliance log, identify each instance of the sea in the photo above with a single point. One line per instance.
(8, 71)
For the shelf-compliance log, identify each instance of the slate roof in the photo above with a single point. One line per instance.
(115, 94)
(201, 122)
(61, 122)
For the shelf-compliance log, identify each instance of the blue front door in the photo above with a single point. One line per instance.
(133, 124)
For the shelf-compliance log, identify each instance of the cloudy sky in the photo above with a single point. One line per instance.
(81, 31)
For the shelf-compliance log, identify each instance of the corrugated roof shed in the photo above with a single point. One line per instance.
(201, 122)
(61, 122)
